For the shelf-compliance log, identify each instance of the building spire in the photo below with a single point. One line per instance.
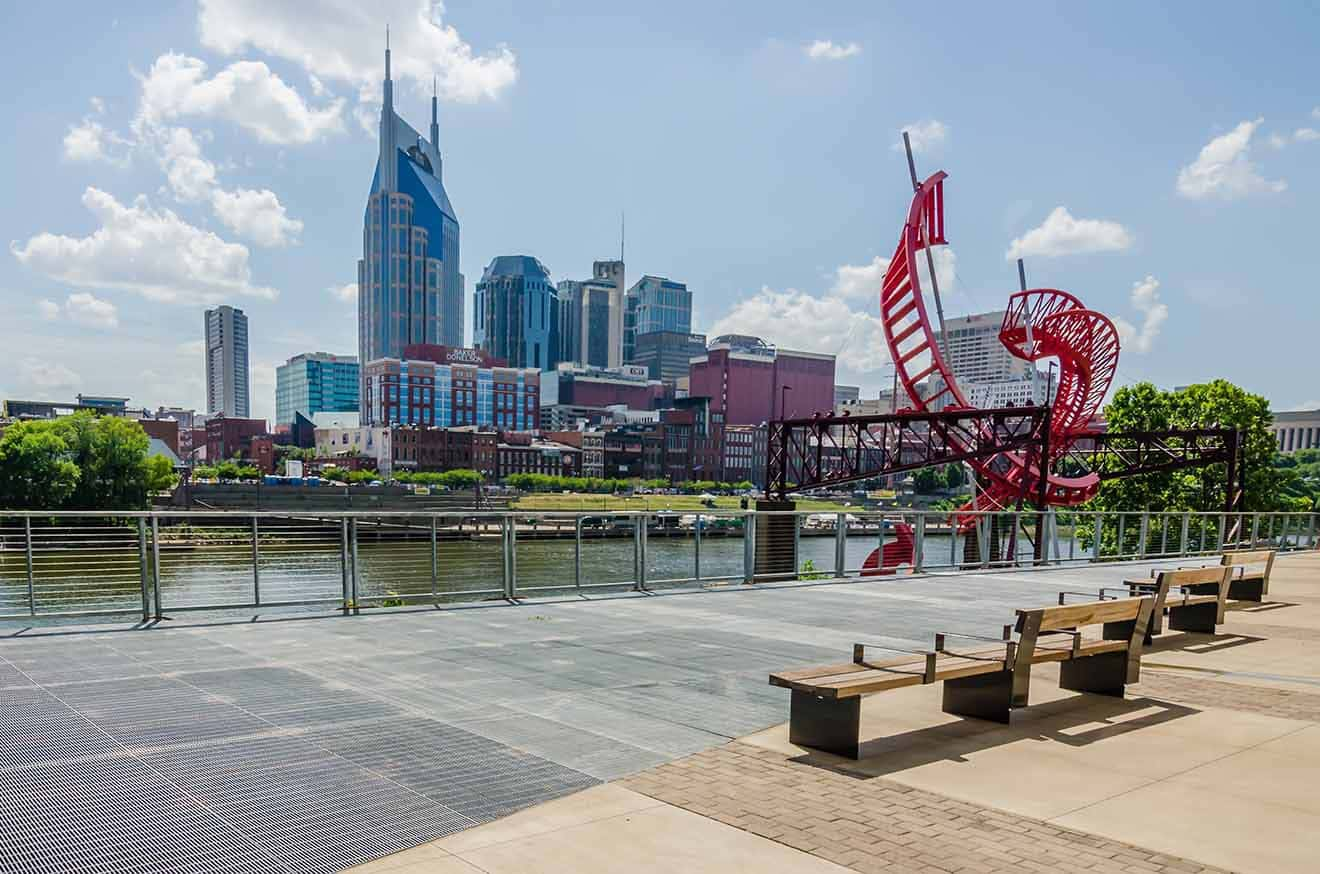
(435, 121)
(387, 52)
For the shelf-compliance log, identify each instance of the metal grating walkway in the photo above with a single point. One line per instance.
(313, 745)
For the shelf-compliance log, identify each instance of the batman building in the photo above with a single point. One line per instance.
(409, 287)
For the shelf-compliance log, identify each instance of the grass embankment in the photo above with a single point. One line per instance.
(678, 503)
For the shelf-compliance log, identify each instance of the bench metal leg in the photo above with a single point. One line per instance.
(1194, 617)
(984, 696)
(1103, 674)
(1248, 589)
(829, 724)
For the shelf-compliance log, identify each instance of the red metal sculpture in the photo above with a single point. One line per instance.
(1084, 341)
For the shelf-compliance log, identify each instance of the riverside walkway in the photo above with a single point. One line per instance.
(315, 744)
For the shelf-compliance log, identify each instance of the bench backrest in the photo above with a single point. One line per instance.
(1250, 556)
(1193, 576)
(1080, 615)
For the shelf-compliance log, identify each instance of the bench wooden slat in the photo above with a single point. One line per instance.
(1078, 615)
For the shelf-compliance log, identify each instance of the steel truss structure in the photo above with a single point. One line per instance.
(1117, 455)
(833, 450)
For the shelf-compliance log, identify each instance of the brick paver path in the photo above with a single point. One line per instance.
(871, 824)
(1203, 691)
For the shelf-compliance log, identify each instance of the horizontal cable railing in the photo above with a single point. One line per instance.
(157, 563)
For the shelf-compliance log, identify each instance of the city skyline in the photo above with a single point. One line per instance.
(201, 130)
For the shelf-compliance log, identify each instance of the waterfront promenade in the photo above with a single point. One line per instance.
(645, 722)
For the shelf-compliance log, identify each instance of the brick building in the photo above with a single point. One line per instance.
(523, 453)
(745, 379)
(449, 386)
(227, 437)
(414, 447)
(592, 444)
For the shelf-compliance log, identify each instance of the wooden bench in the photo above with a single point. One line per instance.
(1250, 583)
(825, 710)
(1195, 599)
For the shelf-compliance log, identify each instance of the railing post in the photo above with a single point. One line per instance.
(31, 577)
(577, 552)
(840, 544)
(1310, 531)
(696, 549)
(1098, 538)
(155, 566)
(143, 570)
(880, 545)
(984, 528)
(749, 547)
(919, 544)
(435, 564)
(1255, 528)
(1164, 534)
(642, 521)
(353, 577)
(1145, 527)
(1223, 530)
(797, 544)
(343, 563)
(953, 542)
(510, 560)
(256, 557)
(1186, 523)
(1122, 525)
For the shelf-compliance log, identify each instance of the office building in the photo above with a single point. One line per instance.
(315, 382)
(227, 362)
(445, 387)
(409, 287)
(750, 382)
(591, 317)
(576, 385)
(516, 313)
(973, 350)
(655, 303)
(666, 355)
(1299, 429)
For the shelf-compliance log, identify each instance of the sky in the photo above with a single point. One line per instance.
(1163, 164)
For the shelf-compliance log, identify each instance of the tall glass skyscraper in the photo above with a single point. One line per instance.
(409, 287)
(227, 362)
(516, 313)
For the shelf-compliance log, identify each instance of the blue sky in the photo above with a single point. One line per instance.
(1162, 164)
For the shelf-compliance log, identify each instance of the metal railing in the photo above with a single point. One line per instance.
(157, 564)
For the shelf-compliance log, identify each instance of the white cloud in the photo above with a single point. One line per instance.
(146, 250)
(190, 175)
(81, 308)
(862, 281)
(1224, 169)
(1062, 234)
(1306, 135)
(246, 93)
(341, 41)
(828, 50)
(90, 141)
(38, 374)
(84, 308)
(924, 135)
(347, 293)
(780, 317)
(1278, 141)
(256, 215)
(1315, 113)
(1145, 299)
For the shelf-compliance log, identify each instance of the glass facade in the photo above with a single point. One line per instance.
(316, 383)
(655, 304)
(516, 313)
(452, 395)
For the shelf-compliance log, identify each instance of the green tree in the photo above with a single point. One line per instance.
(927, 479)
(1143, 407)
(160, 474)
(110, 453)
(954, 476)
(35, 470)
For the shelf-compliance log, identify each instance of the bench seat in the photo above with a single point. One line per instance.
(825, 710)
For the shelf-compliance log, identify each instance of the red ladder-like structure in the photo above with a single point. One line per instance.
(1084, 341)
